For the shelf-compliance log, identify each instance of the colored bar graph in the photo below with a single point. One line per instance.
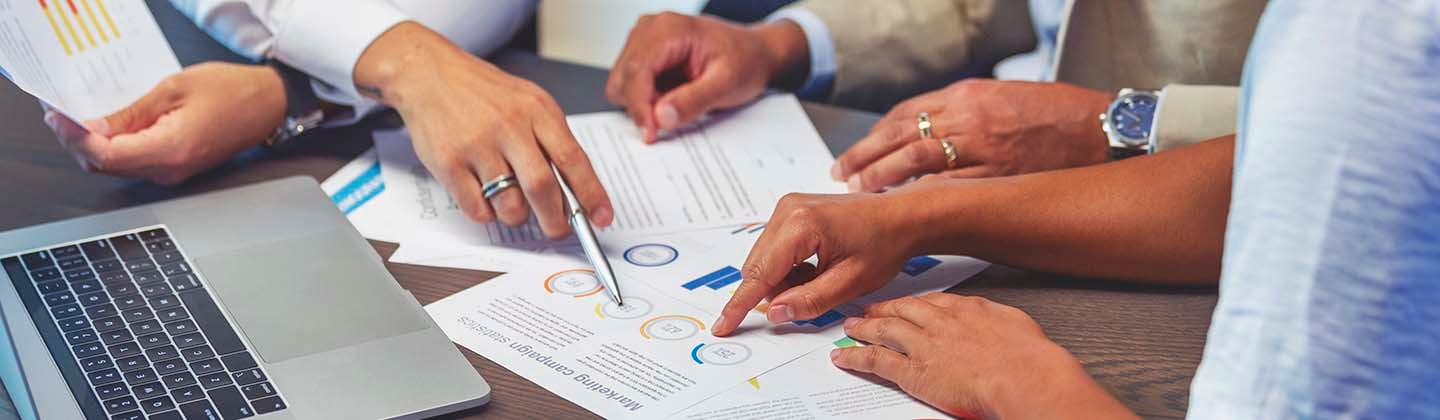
(70, 28)
(80, 20)
(919, 265)
(823, 320)
(50, 16)
(716, 279)
(90, 11)
(106, 14)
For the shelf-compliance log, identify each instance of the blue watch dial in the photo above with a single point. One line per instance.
(1132, 116)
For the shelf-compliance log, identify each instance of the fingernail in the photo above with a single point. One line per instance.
(836, 172)
(50, 120)
(602, 216)
(780, 313)
(99, 126)
(834, 355)
(667, 116)
(851, 322)
(715, 328)
(853, 184)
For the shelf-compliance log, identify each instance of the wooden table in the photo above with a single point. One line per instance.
(1141, 342)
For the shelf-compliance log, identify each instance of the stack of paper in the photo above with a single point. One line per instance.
(687, 212)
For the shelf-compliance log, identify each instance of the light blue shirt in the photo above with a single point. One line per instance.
(1330, 293)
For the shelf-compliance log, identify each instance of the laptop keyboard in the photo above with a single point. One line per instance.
(136, 334)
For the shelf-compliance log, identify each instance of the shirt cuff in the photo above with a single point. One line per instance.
(326, 38)
(1189, 114)
(822, 51)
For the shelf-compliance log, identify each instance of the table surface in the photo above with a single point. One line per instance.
(1141, 342)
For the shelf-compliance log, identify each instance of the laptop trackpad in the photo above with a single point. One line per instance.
(303, 296)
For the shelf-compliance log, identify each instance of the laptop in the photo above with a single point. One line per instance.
(257, 302)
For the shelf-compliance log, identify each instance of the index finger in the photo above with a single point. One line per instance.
(632, 85)
(779, 248)
(574, 165)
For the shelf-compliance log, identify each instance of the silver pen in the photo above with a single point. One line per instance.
(588, 241)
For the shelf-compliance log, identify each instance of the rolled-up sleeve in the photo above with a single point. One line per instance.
(1189, 114)
(325, 38)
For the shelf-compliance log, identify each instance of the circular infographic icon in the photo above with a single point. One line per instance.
(651, 255)
(724, 354)
(671, 327)
(577, 283)
(634, 308)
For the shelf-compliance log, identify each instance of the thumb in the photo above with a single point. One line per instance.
(833, 287)
(690, 101)
(138, 115)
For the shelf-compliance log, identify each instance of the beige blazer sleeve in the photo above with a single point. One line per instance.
(1192, 114)
(889, 50)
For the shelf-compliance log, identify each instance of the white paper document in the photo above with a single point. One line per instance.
(87, 58)
(674, 286)
(732, 170)
(357, 189)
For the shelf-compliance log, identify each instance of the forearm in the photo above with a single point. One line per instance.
(1156, 218)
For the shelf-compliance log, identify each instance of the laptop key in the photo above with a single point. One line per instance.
(137, 314)
(109, 391)
(197, 353)
(115, 277)
(92, 364)
(187, 394)
(52, 287)
(66, 311)
(133, 415)
(168, 257)
(162, 353)
(165, 302)
(199, 410)
(88, 349)
(206, 367)
(248, 377)
(205, 314)
(97, 250)
(175, 269)
(47, 274)
(230, 403)
(179, 380)
(82, 336)
(103, 377)
(154, 234)
(170, 367)
(128, 246)
(168, 415)
(269, 405)
(189, 340)
(59, 299)
(157, 404)
(172, 315)
(64, 252)
(141, 376)
(37, 260)
(80, 274)
(146, 327)
(154, 290)
(148, 391)
(119, 405)
(185, 282)
(129, 302)
(126, 349)
(86, 286)
(116, 337)
(107, 266)
(132, 363)
(102, 311)
(71, 264)
(238, 361)
(109, 324)
(75, 323)
(91, 299)
(181, 327)
(153, 340)
(257, 391)
(143, 264)
(215, 380)
(148, 277)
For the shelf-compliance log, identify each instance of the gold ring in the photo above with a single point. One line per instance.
(950, 156)
(924, 124)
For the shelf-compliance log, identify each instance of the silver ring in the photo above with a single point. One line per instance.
(500, 183)
(924, 123)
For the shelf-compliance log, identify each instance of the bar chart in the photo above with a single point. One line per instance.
(92, 17)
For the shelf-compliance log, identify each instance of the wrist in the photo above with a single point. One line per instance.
(393, 67)
(952, 215)
(786, 52)
(1056, 386)
(272, 86)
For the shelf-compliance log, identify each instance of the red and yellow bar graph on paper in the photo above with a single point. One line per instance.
(70, 17)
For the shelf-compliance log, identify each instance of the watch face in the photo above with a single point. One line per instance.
(1132, 115)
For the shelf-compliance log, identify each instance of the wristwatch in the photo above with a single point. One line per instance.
(1129, 121)
(303, 110)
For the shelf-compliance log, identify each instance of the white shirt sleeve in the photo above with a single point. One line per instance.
(822, 50)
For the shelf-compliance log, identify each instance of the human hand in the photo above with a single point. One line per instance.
(471, 122)
(189, 122)
(998, 128)
(861, 241)
(675, 68)
(973, 358)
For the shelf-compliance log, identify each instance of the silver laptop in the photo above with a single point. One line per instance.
(257, 302)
